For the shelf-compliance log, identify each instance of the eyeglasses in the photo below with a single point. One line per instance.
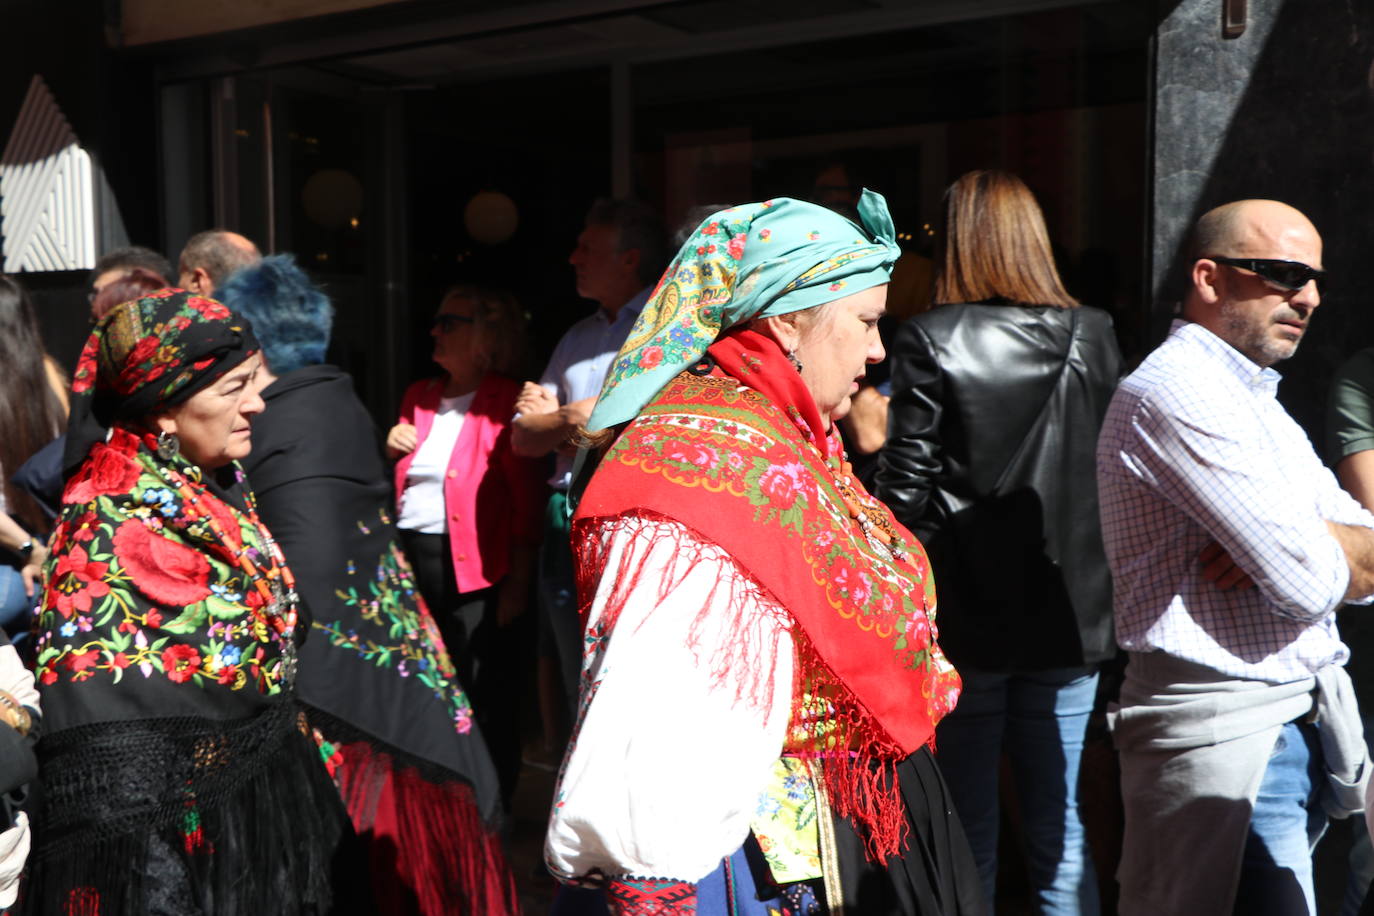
(1289, 275)
(446, 322)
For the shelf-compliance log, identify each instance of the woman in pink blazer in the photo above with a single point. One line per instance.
(469, 509)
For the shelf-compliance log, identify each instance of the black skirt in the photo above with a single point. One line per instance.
(935, 875)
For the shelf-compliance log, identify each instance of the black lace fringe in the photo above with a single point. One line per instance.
(191, 816)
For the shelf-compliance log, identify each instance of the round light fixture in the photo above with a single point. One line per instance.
(491, 217)
(332, 198)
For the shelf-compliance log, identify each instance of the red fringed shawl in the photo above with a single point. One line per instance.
(740, 457)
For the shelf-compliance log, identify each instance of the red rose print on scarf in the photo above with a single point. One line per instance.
(179, 663)
(855, 585)
(86, 370)
(78, 662)
(942, 688)
(208, 307)
(167, 572)
(136, 364)
(84, 528)
(918, 631)
(651, 357)
(783, 483)
(77, 580)
(688, 453)
(108, 471)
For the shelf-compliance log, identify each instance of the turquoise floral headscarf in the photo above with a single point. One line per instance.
(750, 261)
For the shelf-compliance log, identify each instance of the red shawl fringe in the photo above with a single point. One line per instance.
(827, 723)
(431, 853)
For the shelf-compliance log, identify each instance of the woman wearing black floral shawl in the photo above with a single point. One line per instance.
(177, 777)
(375, 675)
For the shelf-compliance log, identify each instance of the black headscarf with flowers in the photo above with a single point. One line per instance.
(171, 747)
(147, 355)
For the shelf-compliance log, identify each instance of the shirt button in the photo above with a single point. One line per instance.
(453, 517)
(461, 557)
(452, 474)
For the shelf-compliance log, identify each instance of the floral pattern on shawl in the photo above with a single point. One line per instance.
(139, 584)
(720, 446)
(785, 823)
(396, 631)
(753, 474)
(149, 353)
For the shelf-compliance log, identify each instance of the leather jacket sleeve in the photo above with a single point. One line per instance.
(911, 460)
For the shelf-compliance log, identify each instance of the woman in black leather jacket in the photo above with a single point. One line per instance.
(997, 397)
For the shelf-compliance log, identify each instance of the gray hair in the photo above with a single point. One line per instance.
(213, 253)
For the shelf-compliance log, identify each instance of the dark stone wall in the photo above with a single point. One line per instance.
(1285, 111)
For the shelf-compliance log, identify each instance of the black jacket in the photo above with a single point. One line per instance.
(324, 492)
(992, 430)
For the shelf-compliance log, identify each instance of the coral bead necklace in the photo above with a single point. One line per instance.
(274, 582)
(864, 509)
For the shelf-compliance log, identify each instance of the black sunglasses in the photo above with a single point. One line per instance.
(1290, 275)
(446, 322)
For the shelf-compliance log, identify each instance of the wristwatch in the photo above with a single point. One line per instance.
(25, 550)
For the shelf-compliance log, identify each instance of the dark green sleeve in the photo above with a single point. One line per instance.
(1350, 408)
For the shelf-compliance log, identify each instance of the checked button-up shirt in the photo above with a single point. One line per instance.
(1196, 448)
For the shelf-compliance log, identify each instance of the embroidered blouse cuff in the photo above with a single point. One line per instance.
(631, 896)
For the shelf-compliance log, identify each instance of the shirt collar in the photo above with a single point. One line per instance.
(1252, 376)
(629, 311)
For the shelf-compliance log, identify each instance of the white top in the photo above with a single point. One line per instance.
(422, 502)
(581, 360)
(684, 710)
(1195, 448)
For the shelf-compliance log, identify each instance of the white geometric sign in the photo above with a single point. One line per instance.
(47, 191)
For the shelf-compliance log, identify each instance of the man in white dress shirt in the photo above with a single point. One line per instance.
(618, 258)
(1231, 548)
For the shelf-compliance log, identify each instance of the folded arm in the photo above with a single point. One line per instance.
(1268, 521)
(1357, 543)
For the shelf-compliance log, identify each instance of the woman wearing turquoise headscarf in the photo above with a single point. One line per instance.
(761, 678)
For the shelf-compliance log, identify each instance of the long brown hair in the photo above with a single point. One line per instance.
(995, 246)
(31, 414)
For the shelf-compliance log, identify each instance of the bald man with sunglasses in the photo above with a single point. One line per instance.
(1231, 547)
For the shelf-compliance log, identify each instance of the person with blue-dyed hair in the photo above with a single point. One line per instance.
(292, 314)
(375, 674)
